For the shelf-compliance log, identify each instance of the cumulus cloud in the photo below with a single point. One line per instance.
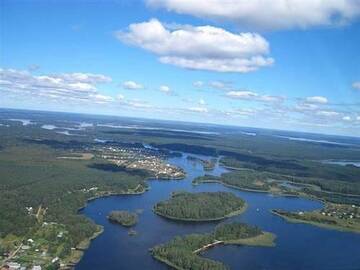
(131, 85)
(268, 14)
(249, 95)
(356, 85)
(65, 86)
(203, 47)
(202, 102)
(165, 89)
(346, 118)
(317, 100)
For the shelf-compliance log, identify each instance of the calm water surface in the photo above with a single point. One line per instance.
(298, 246)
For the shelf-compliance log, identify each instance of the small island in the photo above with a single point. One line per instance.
(183, 252)
(203, 206)
(208, 165)
(332, 216)
(124, 218)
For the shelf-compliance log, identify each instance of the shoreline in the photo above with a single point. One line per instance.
(314, 223)
(293, 182)
(85, 244)
(80, 249)
(266, 239)
(300, 195)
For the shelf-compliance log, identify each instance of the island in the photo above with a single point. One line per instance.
(124, 218)
(183, 252)
(243, 179)
(202, 206)
(333, 216)
(208, 165)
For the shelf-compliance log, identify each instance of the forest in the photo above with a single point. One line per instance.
(200, 206)
(37, 187)
(124, 218)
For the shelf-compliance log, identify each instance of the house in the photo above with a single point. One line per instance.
(14, 265)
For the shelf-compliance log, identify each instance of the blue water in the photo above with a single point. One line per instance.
(299, 246)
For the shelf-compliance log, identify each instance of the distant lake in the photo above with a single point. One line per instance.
(299, 246)
(312, 140)
(24, 122)
(343, 162)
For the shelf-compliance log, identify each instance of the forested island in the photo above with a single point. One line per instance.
(183, 252)
(123, 218)
(203, 206)
(338, 192)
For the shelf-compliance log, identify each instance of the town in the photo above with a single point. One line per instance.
(140, 159)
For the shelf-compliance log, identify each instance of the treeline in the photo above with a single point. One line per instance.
(262, 181)
(115, 168)
(245, 179)
(188, 148)
(249, 179)
(304, 169)
(199, 206)
(179, 252)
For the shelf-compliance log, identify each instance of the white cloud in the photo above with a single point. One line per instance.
(203, 47)
(221, 85)
(268, 14)
(131, 85)
(306, 107)
(64, 86)
(356, 85)
(120, 97)
(202, 102)
(358, 118)
(346, 118)
(327, 113)
(198, 84)
(249, 95)
(138, 104)
(101, 99)
(165, 89)
(199, 109)
(244, 112)
(317, 100)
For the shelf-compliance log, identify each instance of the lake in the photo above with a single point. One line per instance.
(298, 246)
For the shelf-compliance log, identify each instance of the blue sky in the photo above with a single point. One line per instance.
(239, 64)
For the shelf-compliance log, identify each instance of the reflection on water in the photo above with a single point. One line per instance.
(299, 246)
